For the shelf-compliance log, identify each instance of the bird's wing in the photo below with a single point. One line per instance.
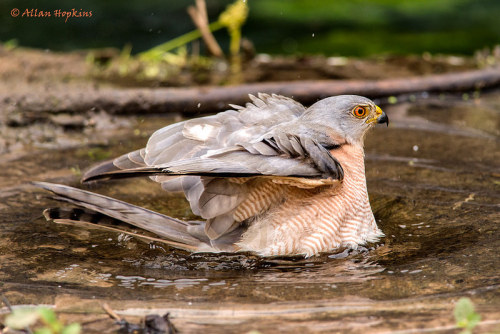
(261, 140)
(193, 138)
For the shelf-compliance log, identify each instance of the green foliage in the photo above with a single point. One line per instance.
(465, 315)
(76, 170)
(392, 100)
(10, 44)
(156, 52)
(233, 19)
(25, 317)
(169, 59)
(98, 154)
(73, 328)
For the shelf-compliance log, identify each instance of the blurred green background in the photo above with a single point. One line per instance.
(336, 27)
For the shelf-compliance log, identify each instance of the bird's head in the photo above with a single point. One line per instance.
(347, 115)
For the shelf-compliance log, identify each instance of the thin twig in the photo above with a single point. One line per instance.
(112, 314)
(200, 19)
(202, 9)
(6, 302)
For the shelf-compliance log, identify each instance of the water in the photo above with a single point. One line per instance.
(433, 179)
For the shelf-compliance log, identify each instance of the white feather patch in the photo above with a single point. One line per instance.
(200, 132)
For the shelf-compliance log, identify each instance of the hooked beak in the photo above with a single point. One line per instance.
(382, 118)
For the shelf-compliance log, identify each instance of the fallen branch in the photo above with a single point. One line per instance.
(196, 100)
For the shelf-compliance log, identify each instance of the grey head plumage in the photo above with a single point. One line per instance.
(339, 115)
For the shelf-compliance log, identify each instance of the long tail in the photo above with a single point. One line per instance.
(174, 231)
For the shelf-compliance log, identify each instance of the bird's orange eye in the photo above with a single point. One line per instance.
(359, 111)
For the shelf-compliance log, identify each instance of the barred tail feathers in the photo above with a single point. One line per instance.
(171, 230)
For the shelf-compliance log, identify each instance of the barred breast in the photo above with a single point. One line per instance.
(309, 221)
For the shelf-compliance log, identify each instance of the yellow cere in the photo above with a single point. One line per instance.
(378, 112)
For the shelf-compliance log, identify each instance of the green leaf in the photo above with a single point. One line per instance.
(49, 318)
(10, 44)
(44, 330)
(474, 320)
(47, 315)
(21, 318)
(73, 328)
(465, 315)
(463, 308)
(392, 100)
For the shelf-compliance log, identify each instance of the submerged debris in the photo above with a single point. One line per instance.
(151, 324)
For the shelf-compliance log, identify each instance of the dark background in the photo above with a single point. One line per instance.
(335, 27)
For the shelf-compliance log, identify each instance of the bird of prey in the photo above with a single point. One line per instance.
(272, 178)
